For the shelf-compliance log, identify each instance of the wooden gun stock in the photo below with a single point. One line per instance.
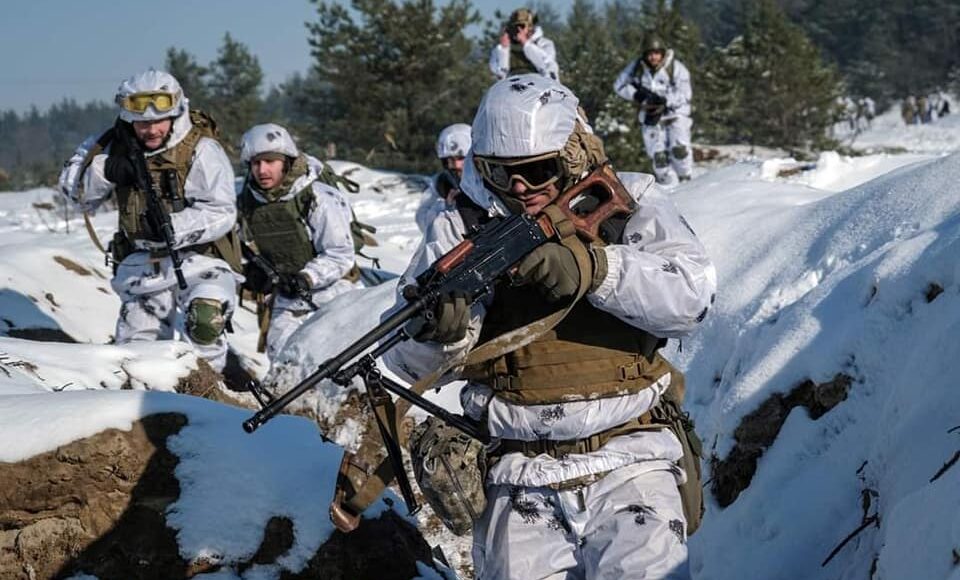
(593, 200)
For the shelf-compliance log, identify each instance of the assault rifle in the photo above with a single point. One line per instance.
(156, 215)
(472, 268)
(652, 103)
(270, 271)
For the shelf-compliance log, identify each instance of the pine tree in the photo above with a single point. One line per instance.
(235, 82)
(388, 76)
(769, 86)
(191, 75)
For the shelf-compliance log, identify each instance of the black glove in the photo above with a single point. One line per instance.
(119, 170)
(257, 280)
(553, 269)
(446, 323)
(294, 285)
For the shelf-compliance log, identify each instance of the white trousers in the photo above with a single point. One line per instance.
(668, 146)
(153, 307)
(627, 525)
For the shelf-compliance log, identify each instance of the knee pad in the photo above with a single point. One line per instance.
(660, 159)
(205, 320)
(680, 152)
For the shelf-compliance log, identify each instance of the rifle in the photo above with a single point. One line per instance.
(156, 215)
(473, 267)
(652, 103)
(264, 265)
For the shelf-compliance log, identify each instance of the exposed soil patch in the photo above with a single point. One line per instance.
(72, 266)
(759, 429)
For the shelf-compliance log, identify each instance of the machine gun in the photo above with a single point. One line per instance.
(156, 214)
(472, 268)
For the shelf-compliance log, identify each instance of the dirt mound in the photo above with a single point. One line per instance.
(98, 506)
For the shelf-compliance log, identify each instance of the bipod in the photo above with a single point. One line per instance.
(388, 424)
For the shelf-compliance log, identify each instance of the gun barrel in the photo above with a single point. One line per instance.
(329, 368)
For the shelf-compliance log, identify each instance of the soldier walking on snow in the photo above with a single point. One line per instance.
(189, 171)
(300, 225)
(579, 486)
(659, 84)
(524, 49)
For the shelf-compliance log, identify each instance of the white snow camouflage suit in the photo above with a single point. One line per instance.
(629, 523)
(667, 142)
(147, 286)
(328, 224)
(539, 50)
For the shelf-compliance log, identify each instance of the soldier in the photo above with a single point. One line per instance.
(577, 487)
(452, 146)
(301, 228)
(659, 84)
(524, 49)
(192, 175)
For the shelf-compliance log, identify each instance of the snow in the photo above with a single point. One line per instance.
(825, 267)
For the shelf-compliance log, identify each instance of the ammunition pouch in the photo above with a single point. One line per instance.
(119, 248)
(450, 468)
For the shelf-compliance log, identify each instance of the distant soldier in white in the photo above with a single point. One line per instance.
(908, 110)
(923, 109)
(943, 108)
(660, 86)
(524, 49)
(452, 146)
(158, 148)
(300, 225)
(866, 111)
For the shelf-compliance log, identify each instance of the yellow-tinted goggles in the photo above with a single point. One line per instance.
(138, 102)
(534, 172)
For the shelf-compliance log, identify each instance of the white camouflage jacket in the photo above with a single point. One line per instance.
(677, 90)
(211, 212)
(539, 50)
(328, 223)
(659, 279)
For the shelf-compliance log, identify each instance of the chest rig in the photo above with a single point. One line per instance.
(589, 354)
(279, 229)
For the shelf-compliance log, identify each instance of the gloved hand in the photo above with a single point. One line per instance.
(294, 285)
(553, 269)
(257, 280)
(119, 170)
(447, 323)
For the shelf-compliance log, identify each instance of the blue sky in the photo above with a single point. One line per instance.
(82, 49)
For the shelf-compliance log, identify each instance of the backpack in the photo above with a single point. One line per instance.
(359, 231)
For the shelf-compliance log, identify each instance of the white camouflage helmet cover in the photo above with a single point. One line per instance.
(267, 138)
(151, 81)
(454, 141)
(524, 115)
(519, 116)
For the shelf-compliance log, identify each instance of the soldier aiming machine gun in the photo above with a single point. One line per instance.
(471, 268)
